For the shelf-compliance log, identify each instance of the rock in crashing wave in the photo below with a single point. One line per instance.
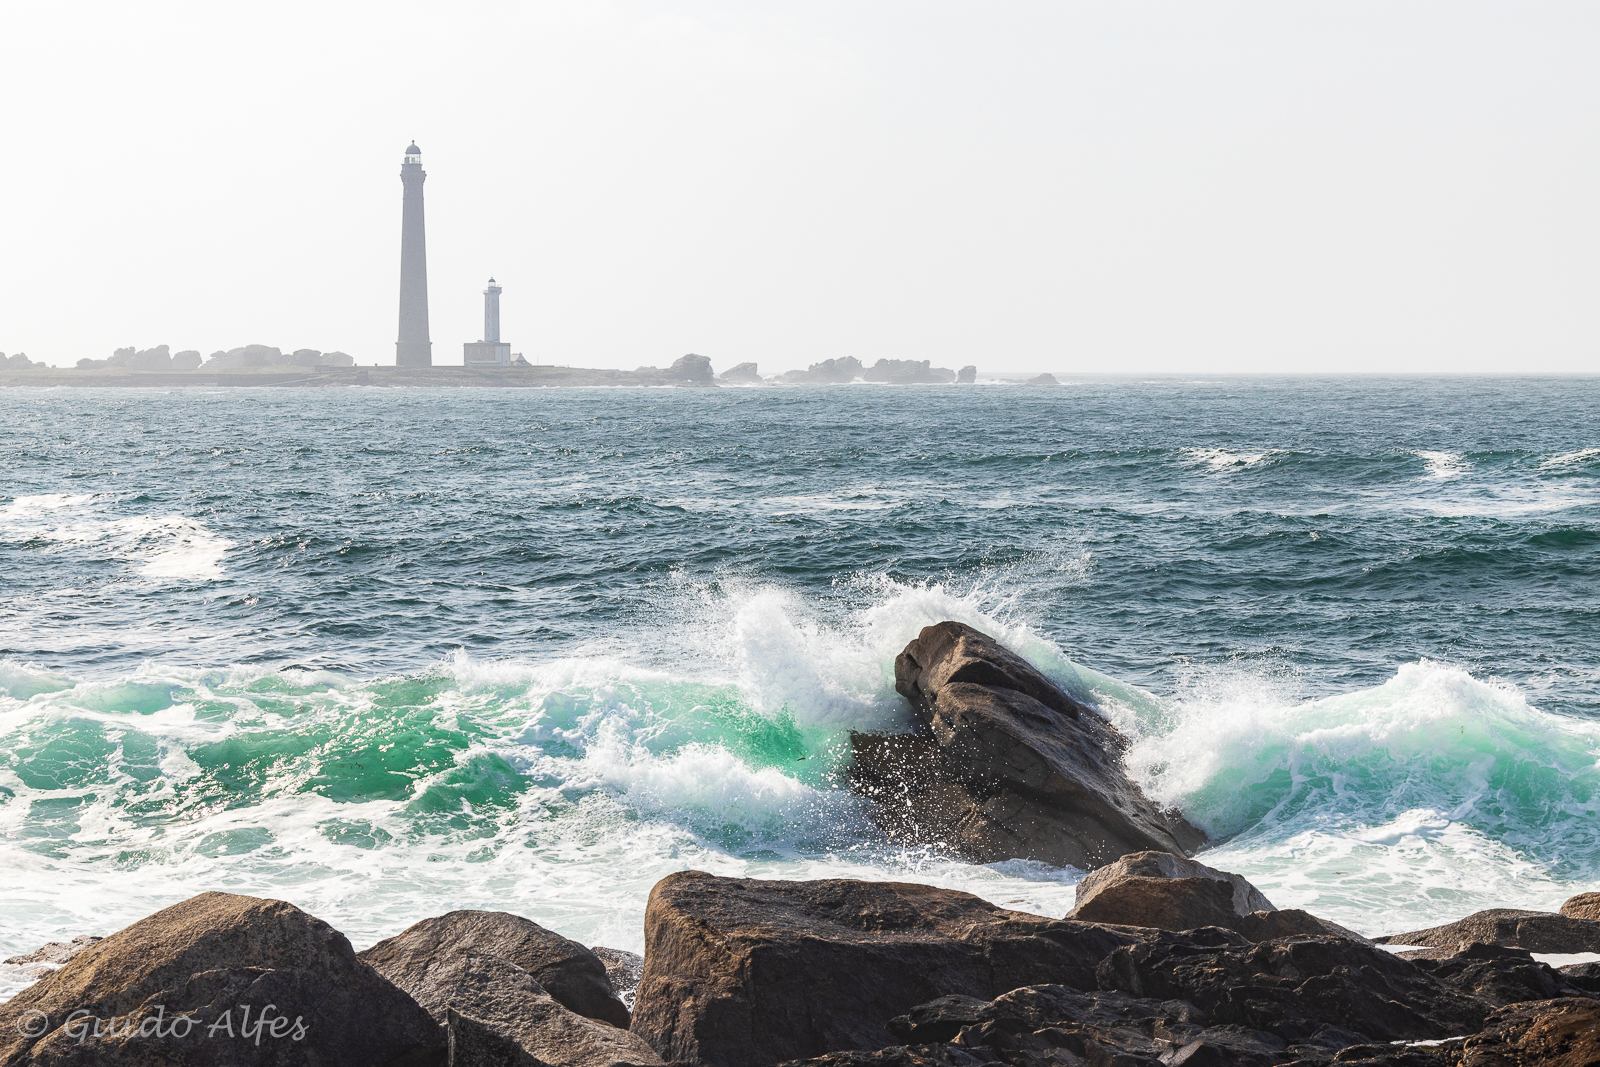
(1007, 765)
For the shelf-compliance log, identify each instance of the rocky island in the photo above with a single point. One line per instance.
(264, 365)
(1163, 961)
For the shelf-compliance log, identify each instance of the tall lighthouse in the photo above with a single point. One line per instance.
(413, 349)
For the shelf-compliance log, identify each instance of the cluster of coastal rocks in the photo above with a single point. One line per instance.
(161, 358)
(1163, 961)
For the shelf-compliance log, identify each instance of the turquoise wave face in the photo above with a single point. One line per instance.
(388, 653)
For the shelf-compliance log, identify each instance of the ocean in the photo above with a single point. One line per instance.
(388, 652)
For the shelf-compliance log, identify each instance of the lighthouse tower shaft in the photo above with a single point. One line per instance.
(414, 348)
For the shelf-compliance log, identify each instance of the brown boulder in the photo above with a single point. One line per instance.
(497, 1015)
(1008, 765)
(566, 970)
(1582, 906)
(1548, 1033)
(260, 981)
(740, 972)
(1117, 888)
(1536, 931)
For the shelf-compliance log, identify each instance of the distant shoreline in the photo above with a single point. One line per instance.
(320, 377)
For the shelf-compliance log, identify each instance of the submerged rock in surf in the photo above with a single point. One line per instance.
(420, 959)
(1535, 931)
(623, 969)
(1008, 766)
(740, 972)
(48, 957)
(260, 981)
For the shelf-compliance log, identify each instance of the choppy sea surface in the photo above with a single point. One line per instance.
(384, 653)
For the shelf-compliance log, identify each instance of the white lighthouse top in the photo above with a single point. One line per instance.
(413, 154)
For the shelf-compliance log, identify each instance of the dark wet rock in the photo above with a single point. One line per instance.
(741, 373)
(622, 969)
(1499, 976)
(207, 958)
(902, 1056)
(1550, 1033)
(1536, 931)
(940, 1019)
(1121, 893)
(419, 958)
(907, 372)
(741, 973)
(691, 368)
(188, 359)
(1584, 976)
(496, 1014)
(1293, 986)
(967, 375)
(829, 372)
(1582, 906)
(1042, 379)
(1008, 765)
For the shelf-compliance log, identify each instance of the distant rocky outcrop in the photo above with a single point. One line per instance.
(967, 375)
(188, 359)
(418, 958)
(206, 960)
(251, 356)
(692, 368)
(840, 371)
(1006, 764)
(1042, 379)
(740, 374)
(1535, 931)
(908, 372)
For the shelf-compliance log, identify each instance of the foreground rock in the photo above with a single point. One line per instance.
(741, 973)
(1582, 906)
(421, 960)
(1535, 931)
(1552, 1033)
(1008, 765)
(261, 981)
(496, 1014)
(1168, 892)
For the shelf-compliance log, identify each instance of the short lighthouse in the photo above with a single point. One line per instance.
(489, 352)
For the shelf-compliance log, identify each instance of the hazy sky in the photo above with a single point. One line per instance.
(1119, 186)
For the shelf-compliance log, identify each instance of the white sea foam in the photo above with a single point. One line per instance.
(1570, 459)
(1444, 466)
(162, 546)
(1227, 461)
